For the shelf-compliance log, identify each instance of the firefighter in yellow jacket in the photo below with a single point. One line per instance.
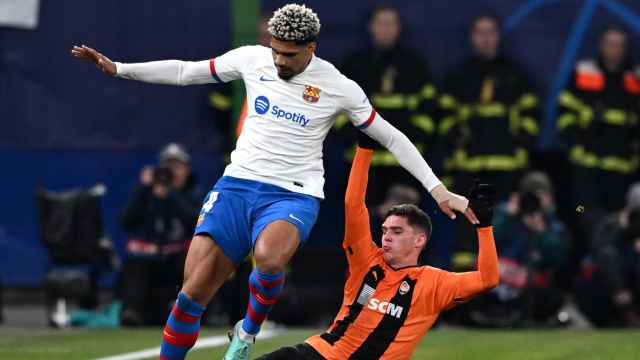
(488, 124)
(396, 80)
(489, 114)
(598, 119)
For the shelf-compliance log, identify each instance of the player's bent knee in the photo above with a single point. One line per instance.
(275, 246)
(270, 263)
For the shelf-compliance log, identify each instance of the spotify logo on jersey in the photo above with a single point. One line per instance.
(262, 105)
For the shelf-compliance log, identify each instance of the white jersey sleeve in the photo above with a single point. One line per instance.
(224, 68)
(365, 118)
(233, 64)
(403, 150)
(167, 72)
(356, 104)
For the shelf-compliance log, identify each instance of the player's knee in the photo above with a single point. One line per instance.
(269, 263)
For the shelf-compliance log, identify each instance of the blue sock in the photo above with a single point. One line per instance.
(264, 291)
(181, 331)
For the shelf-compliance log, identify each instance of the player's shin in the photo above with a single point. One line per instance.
(182, 328)
(264, 291)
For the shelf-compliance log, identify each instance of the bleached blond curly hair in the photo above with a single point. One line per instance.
(294, 22)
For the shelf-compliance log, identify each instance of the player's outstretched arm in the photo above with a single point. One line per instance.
(455, 288)
(358, 243)
(411, 159)
(167, 72)
(365, 118)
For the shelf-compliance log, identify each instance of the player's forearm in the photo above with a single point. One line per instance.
(487, 258)
(357, 239)
(167, 72)
(403, 150)
(358, 179)
(486, 276)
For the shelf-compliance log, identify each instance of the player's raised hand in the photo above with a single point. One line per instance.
(450, 203)
(102, 62)
(449, 207)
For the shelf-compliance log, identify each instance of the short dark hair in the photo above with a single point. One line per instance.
(414, 215)
(385, 7)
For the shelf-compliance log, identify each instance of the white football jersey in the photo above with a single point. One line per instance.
(287, 120)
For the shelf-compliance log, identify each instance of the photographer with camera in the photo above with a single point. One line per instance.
(533, 246)
(159, 218)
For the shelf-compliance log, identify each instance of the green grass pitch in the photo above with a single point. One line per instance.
(18, 344)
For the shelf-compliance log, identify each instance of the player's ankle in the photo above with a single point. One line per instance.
(245, 336)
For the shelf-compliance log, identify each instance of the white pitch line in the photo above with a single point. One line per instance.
(212, 341)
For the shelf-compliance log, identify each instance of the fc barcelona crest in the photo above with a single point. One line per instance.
(311, 94)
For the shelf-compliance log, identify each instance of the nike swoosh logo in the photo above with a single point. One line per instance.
(296, 219)
(262, 78)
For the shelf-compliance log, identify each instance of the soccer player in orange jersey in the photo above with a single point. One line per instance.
(390, 301)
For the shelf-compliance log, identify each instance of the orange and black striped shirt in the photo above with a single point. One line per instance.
(385, 311)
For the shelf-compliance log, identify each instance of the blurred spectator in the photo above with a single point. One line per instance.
(397, 82)
(533, 249)
(490, 114)
(489, 122)
(609, 286)
(159, 218)
(598, 119)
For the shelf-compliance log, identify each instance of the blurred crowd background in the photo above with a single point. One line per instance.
(103, 178)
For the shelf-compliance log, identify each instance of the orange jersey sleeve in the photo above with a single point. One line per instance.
(357, 244)
(454, 288)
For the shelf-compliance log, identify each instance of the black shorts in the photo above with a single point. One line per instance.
(302, 351)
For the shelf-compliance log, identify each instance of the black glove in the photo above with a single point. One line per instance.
(364, 141)
(481, 200)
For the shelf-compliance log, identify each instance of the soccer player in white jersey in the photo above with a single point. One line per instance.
(268, 198)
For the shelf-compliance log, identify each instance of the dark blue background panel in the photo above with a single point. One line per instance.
(51, 100)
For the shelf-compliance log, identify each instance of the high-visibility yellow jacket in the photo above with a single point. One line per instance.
(398, 85)
(598, 117)
(489, 116)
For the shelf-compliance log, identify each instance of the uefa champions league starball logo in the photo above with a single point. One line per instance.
(262, 105)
